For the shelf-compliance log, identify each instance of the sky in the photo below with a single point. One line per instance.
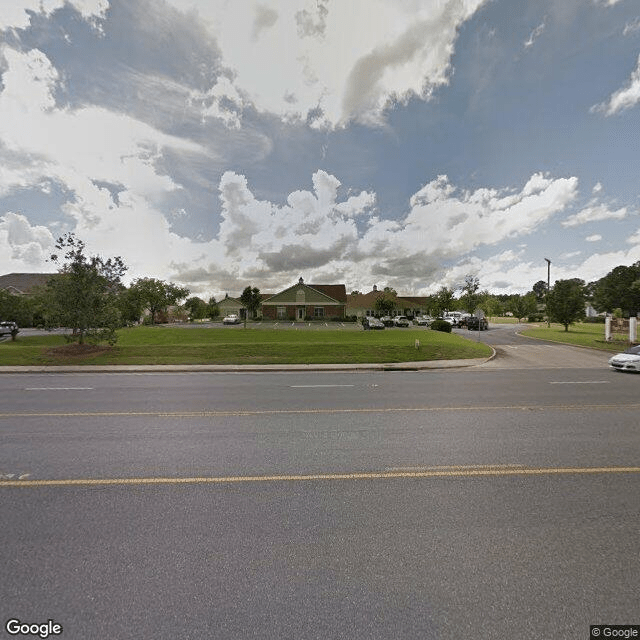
(220, 144)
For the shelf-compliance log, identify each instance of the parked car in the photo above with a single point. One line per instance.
(231, 319)
(477, 324)
(423, 321)
(452, 317)
(372, 323)
(401, 321)
(8, 329)
(387, 321)
(627, 361)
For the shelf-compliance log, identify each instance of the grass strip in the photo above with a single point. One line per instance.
(174, 345)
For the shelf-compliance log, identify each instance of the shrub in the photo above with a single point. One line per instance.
(441, 325)
(595, 320)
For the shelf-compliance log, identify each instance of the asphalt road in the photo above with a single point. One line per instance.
(498, 501)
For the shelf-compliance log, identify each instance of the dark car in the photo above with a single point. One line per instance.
(387, 321)
(9, 328)
(477, 324)
(372, 323)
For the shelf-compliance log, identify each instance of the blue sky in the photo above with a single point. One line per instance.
(403, 143)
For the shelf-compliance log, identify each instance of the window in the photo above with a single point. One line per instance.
(318, 312)
(282, 313)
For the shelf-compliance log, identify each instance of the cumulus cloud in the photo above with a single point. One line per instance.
(594, 238)
(320, 56)
(624, 98)
(17, 13)
(24, 245)
(317, 233)
(82, 151)
(595, 212)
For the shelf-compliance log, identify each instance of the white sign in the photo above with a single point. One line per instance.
(479, 313)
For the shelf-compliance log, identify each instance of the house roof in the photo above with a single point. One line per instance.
(336, 291)
(368, 300)
(23, 283)
(313, 294)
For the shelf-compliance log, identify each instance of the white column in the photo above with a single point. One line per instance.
(607, 328)
(633, 329)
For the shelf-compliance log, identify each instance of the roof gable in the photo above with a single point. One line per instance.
(301, 293)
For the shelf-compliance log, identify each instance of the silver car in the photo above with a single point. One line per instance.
(627, 361)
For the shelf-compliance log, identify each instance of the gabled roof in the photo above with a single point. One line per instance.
(336, 291)
(313, 294)
(24, 283)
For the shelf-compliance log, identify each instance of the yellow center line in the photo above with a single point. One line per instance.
(434, 473)
(262, 412)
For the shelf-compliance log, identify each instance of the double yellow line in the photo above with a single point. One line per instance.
(427, 472)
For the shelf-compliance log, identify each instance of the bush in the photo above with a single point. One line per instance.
(535, 317)
(441, 325)
(595, 320)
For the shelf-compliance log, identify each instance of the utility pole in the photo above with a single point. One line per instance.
(548, 289)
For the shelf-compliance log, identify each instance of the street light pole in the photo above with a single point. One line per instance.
(548, 288)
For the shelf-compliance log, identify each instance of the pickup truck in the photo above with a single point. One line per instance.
(477, 324)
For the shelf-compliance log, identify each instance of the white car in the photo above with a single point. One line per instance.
(231, 319)
(627, 361)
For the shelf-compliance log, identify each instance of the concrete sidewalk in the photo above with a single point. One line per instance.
(243, 368)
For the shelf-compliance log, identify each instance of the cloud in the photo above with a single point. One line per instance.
(595, 212)
(535, 34)
(631, 27)
(624, 98)
(265, 17)
(594, 238)
(312, 22)
(346, 60)
(635, 238)
(25, 246)
(16, 14)
(317, 233)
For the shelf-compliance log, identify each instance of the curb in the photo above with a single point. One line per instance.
(240, 368)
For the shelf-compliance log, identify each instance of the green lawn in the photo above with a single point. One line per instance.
(255, 345)
(581, 334)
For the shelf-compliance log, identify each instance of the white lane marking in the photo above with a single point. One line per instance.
(585, 382)
(311, 386)
(59, 389)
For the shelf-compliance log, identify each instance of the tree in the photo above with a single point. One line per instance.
(386, 303)
(83, 296)
(566, 302)
(157, 295)
(469, 298)
(443, 300)
(130, 306)
(196, 307)
(213, 311)
(540, 291)
(619, 289)
(251, 299)
(523, 306)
